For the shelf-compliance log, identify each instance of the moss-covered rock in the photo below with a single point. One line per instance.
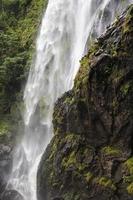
(111, 151)
(90, 156)
(106, 183)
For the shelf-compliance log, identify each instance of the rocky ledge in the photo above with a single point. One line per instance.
(91, 153)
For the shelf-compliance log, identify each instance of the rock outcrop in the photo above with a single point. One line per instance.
(7, 141)
(91, 153)
(6, 146)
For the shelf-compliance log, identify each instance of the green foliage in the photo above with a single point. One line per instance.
(4, 128)
(19, 21)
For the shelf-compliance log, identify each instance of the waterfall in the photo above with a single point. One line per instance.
(66, 30)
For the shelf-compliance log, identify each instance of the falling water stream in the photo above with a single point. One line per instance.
(66, 29)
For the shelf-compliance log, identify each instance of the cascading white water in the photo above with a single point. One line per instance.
(66, 28)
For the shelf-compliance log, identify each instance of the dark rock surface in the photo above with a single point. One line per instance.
(5, 165)
(11, 195)
(91, 153)
(5, 161)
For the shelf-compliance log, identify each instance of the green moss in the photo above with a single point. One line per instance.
(81, 79)
(70, 160)
(71, 195)
(128, 179)
(58, 120)
(128, 24)
(125, 88)
(75, 157)
(129, 164)
(111, 151)
(54, 147)
(105, 182)
(82, 73)
(113, 50)
(130, 189)
(69, 100)
(72, 138)
(88, 177)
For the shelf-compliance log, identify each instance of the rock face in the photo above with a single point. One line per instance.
(11, 195)
(91, 153)
(6, 157)
(5, 165)
(6, 146)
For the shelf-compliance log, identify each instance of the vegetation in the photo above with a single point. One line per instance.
(128, 22)
(92, 125)
(129, 164)
(129, 179)
(18, 24)
(88, 177)
(105, 182)
(3, 128)
(130, 189)
(111, 151)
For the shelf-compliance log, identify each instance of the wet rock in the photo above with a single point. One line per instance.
(11, 195)
(5, 165)
(91, 153)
